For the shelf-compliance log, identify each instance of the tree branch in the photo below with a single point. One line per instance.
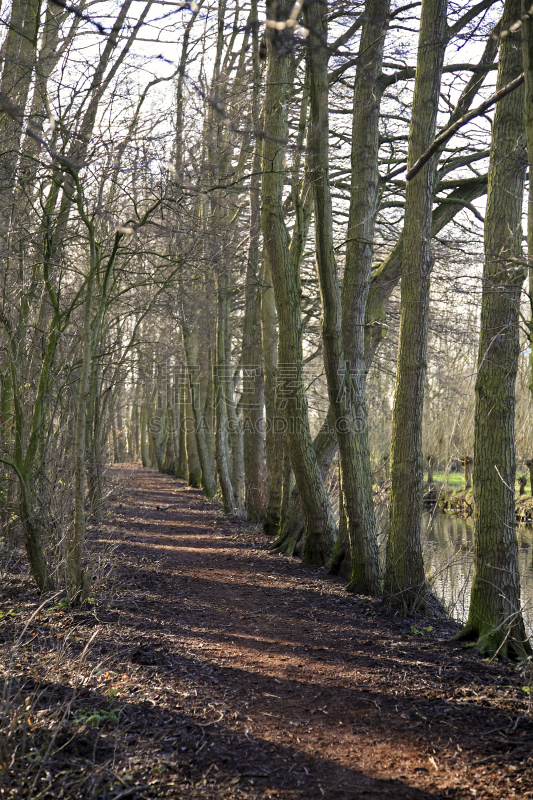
(449, 132)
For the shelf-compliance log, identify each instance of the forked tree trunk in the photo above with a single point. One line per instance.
(346, 389)
(386, 276)
(404, 570)
(359, 253)
(319, 522)
(325, 447)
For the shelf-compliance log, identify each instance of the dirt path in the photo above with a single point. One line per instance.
(238, 673)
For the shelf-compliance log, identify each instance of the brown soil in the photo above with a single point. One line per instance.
(237, 673)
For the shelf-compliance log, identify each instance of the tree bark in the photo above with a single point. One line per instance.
(78, 581)
(182, 459)
(144, 436)
(404, 570)
(320, 526)
(194, 467)
(494, 618)
(253, 377)
(191, 348)
(385, 278)
(346, 386)
(468, 461)
(274, 431)
(221, 389)
(235, 432)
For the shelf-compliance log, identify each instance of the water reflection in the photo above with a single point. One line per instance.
(447, 543)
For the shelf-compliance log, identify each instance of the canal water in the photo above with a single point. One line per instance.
(447, 546)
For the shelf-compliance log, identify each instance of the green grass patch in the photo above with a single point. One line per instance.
(456, 480)
(94, 718)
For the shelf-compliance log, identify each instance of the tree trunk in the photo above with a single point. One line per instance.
(253, 380)
(404, 570)
(359, 253)
(325, 447)
(78, 581)
(170, 450)
(194, 467)
(341, 561)
(136, 431)
(286, 487)
(115, 441)
(494, 617)
(357, 514)
(274, 428)
(182, 459)
(190, 339)
(468, 461)
(346, 388)
(144, 436)
(529, 465)
(221, 388)
(320, 526)
(235, 433)
(158, 430)
(385, 278)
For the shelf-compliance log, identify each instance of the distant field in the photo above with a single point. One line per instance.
(457, 480)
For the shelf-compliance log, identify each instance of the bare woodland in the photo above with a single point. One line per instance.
(262, 248)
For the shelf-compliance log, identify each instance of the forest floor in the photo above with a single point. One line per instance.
(209, 667)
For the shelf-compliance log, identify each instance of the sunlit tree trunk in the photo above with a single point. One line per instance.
(290, 539)
(494, 617)
(274, 430)
(252, 356)
(527, 47)
(359, 254)
(170, 450)
(182, 460)
(287, 481)
(78, 580)
(404, 571)
(221, 387)
(144, 437)
(199, 428)
(194, 468)
(384, 279)
(346, 389)
(320, 526)
(235, 432)
(136, 431)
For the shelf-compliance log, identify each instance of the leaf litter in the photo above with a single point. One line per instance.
(210, 667)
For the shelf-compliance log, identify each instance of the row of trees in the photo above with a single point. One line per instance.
(161, 295)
